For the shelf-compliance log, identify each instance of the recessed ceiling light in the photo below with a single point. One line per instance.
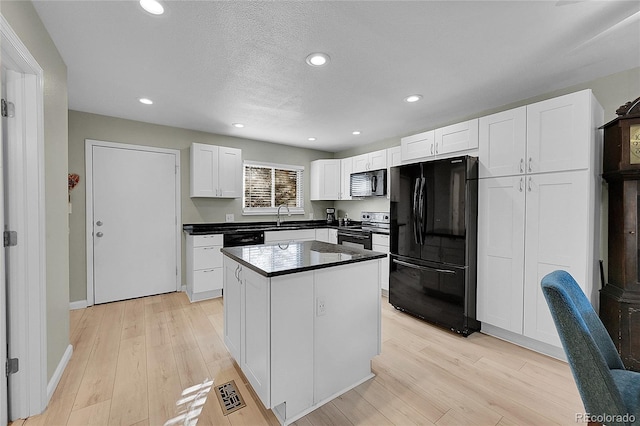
(312, 139)
(152, 6)
(146, 101)
(413, 98)
(356, 132)
(317, 59)
(238, 125)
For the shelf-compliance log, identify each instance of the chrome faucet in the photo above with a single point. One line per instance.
(288, 213)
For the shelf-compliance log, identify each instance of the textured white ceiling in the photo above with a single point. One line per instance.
(208, 64)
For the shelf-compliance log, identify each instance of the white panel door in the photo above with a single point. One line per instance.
(457, 137)
(502, 145)
(501, 222)
(558, 133)
(556, 238)
(416, 147)
(134, 223)
(204, 170)
(230, 172)
(346, 168)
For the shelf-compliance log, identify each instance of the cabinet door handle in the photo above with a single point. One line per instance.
(521, 184)
(529, 186)
(436, 147)
(432, 149)
(522, 165)
(530, 163)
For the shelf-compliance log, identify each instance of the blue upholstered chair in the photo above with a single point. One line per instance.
(609, 392)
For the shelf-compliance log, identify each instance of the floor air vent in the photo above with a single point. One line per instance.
(229, 397)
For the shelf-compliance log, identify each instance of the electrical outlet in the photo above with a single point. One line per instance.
(321, 307)
(230, 217)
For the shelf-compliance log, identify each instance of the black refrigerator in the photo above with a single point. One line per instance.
(434, 216)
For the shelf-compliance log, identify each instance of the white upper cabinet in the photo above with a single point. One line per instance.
(556, 131)
(216, 171)
(440, 142)
(370, 161)
(346, 168)
(547, 136)
(457, 137)
(502, 143)
(394, 156)
(420, 146)
(326, 180)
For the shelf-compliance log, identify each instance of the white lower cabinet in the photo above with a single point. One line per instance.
(286, 348)
(204, 266)
(327, 235)
(287, 236)
(530, 226)
(380, 243)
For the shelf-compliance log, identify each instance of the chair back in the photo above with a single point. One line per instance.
(590, 351)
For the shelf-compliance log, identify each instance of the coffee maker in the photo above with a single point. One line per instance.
(331, 215)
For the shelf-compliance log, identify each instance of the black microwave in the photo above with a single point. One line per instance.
(369, 184)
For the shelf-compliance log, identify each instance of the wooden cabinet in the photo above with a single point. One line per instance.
(204, 266)
(442, 142)
(380, 243)
(620, 297)
(325, 180)
(532, 221)
(370, 161)
(216, 171)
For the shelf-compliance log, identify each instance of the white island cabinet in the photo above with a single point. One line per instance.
(286, 310)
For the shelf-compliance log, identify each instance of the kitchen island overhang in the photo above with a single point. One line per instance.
(302, 320)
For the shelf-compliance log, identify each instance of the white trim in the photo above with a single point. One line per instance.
(88, 149)
(27, 261)
(254, 163)
(57, 375)
(78, 304)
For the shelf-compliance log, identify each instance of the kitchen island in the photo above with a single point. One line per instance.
(302, 320)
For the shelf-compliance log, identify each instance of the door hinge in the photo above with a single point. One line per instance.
(8, 109)
(11, 366)
(9, 238)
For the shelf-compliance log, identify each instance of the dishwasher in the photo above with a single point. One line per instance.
(243, 238)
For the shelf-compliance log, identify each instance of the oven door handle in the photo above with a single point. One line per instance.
(357, 237)
(424, 268)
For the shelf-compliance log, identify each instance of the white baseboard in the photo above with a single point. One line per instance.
(78, 304)
(57, 375)
(525, 342)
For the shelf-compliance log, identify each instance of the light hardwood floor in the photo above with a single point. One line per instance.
(132, 359)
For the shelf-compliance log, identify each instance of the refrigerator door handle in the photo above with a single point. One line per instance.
(414, 216)
(421, 211)
(423, 268)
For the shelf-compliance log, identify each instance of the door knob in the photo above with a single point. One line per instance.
(99, 234)
(99, 223)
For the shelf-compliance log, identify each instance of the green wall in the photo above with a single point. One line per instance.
(26, 23)
(91, 126)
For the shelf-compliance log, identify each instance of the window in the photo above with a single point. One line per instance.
(267, 186)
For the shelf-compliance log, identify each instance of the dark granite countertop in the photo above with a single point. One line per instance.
(227, 227)
(276, 259)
